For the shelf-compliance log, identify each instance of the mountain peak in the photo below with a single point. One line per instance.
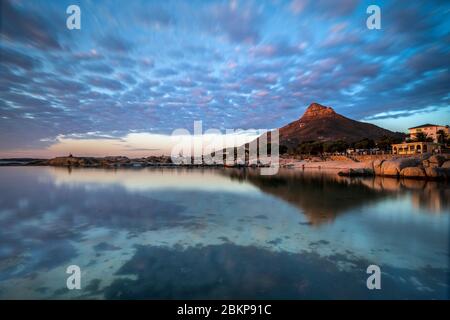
(316, 110)
(321, 123)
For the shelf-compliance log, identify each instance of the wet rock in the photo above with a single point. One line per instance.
(413, 172)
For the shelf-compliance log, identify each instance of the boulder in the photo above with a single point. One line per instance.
(446, 165)
(413, 172)
(393, 167)
(436, 173)
(436, 160)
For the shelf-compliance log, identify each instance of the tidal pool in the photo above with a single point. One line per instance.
(172, 233)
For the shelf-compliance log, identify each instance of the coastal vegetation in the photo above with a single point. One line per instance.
(340, 146)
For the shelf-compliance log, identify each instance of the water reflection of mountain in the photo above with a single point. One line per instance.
(322, 196)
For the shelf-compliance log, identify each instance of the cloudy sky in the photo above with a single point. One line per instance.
(137, 70)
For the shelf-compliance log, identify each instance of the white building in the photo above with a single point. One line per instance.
(429, 130)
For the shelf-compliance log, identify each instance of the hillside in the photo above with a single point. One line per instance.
(321, 123)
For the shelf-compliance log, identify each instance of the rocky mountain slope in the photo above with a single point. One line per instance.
(321, 123)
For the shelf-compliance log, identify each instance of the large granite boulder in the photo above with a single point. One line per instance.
(413, 172)
(436, 160)
(393, 167)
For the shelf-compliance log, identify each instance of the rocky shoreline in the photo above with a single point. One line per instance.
(425, 166)
(92, 162)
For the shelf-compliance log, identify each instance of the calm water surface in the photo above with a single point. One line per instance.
(181, 233)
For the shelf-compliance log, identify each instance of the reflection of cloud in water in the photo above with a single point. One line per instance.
(51, 217)
(234, 272)
(38, 219)
(172, 179)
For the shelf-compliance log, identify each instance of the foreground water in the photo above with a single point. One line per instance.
(180, 233)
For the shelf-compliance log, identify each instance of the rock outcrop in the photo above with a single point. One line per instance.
(437, 173)
(73, 161)
(435, 161)
(426, 166)
(107, 162)
(393, 167)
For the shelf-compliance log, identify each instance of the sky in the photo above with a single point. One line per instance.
(137, 70)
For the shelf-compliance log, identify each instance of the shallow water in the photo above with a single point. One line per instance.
(213, 233)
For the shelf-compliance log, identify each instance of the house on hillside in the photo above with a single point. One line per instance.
(422, 139)
(429, 130)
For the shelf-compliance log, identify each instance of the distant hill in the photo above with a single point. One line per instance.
(321, 123)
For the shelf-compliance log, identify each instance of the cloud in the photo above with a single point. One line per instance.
(88, 55)
(105, 83)
(165, 72)
(431, 59)
(297, 6)
(17, 59)
(65, 86)
(330, 9)
(26, 27)
(99, 68)
(116, 43)
(237, 23)
(231, 64)
(156, 17)
(279, 50)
